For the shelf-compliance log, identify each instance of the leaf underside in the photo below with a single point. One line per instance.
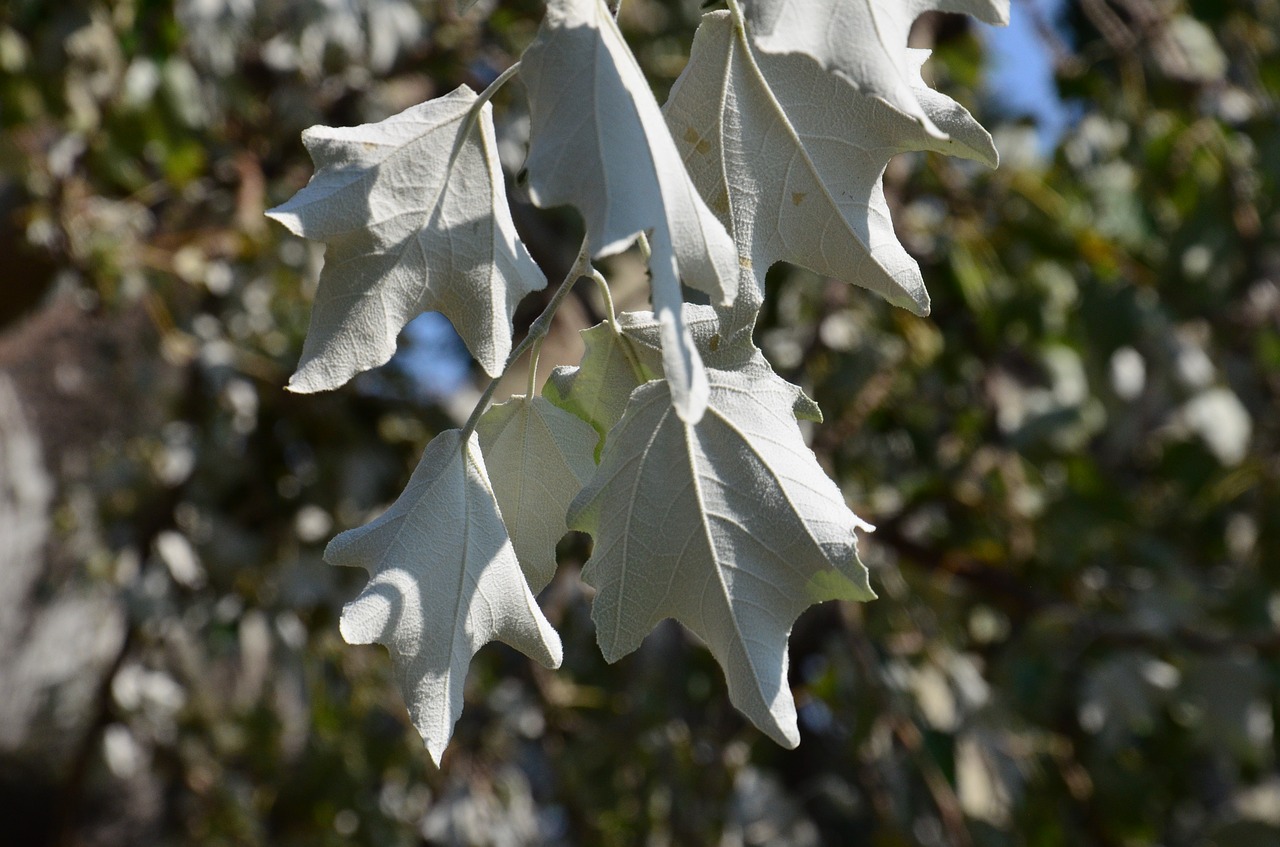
(443, 582)
(862, 41)
(415, 215)
(539, 457)
(792, 159)
(597, 389)
(729, 526)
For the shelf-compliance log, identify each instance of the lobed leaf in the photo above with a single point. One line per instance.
(598, 142)
(444, 581)
(414, 212)
(862, 41)
(792, 159)
(539, 457)
(728, 525)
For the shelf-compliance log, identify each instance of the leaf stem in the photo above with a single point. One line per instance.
(612, 317)
(473, 113)
(502, 79)
(736, 11)
(532, 339)
(646, 252)
(607, 296)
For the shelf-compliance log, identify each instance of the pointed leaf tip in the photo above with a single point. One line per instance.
(862, 41)
(443, 582)
(384, 197)
(734, 510)
(737, 111)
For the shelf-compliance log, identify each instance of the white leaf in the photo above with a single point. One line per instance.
(793, 159)
(444, 581)
(730, 526)
(539, 457)
(863, 41)
(414, 212)
(598, 141)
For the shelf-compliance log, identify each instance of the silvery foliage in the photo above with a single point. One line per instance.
(673, 442)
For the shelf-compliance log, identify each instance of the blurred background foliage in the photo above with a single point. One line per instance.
(1074, 463)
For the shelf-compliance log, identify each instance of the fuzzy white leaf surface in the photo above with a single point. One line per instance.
(443, 582)
(862, 41)
(793, 159)
(414, 214)
(729, 526)
(598, 142)
(539, 456)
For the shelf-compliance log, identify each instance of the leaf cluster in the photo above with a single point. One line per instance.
(673, 443)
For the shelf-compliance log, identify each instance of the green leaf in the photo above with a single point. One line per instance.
(597, 389)
(539, 457)
(598, 141)
(444, 581)
(729, 526)
(414, 212)
(792, 159)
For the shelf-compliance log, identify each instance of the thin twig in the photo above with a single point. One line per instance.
(612, 319)
(537, 331)
(473, 114)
